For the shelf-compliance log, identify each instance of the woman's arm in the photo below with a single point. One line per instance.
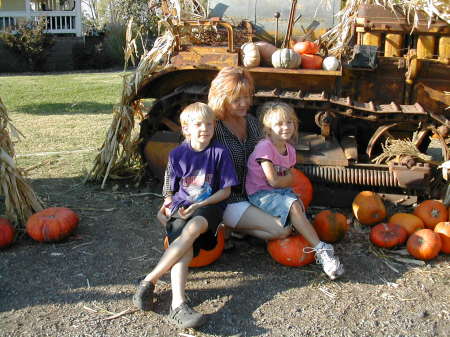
(273, 178)
(215, 198)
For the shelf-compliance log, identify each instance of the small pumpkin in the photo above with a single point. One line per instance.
(302, 187)
(290, 251)
(286, 59)
(368, 208)
(250, 55)
(330, 226)
(266, 50)
(443, 229)
(206, 257)
(306, 47)
(388, 235)
(424, 244)
(310, 61)
(52, 224)
(330, 63)
(431, 212)
(7, 233)
(410, 222)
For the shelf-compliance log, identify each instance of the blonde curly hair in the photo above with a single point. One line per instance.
(277, 110)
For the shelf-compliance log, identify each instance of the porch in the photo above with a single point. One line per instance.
(62, 16)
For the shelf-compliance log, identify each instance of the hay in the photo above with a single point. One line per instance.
(398, 148)
(20, 200)
(338, 38)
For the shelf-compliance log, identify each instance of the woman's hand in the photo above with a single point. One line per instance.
(187, 212)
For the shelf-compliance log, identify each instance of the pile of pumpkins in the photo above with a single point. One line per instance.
(49, 225)
(303, 54)
(426, 231)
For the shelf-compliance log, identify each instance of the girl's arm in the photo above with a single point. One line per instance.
(273, 178)
(215, 198)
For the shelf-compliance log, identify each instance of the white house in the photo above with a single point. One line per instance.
(62, 16)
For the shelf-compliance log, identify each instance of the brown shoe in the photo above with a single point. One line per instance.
(143, 298)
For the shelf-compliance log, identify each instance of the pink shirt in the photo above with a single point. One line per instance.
(256, 180)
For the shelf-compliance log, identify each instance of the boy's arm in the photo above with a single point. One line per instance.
(215, 198)
(273, 178)
(164, 212)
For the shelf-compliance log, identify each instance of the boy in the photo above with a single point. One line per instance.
(201, 176)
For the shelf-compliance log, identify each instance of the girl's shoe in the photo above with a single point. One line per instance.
(143, 298)
(330, 263)
(186, 317)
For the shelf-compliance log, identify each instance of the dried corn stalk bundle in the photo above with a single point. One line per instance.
(337, 39)
(398, 148)
(20, 200)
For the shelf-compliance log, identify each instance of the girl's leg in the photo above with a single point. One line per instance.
(178, 276)
(302, 224)
(257, 223)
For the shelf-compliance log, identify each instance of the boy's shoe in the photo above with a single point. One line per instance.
(330, 263)
(186, 317)
(143, 298)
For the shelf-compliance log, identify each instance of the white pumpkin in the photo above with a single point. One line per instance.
(266, 50)
(330, 63)
(286, 59)
(250, 55)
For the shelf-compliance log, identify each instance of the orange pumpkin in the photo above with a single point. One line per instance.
(302, 187)
(7, 232)
(310, 61)
(289, 251)
(388, 235)
(52, 224)
(330, 226)
(443, 229)
(431, 212)
(368, 208)
(206, 257)
(306, 47)
(424, 244)
(410, 222)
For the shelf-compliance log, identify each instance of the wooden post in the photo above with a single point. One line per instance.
(393, 45)
(372, 39)
(444, 49)
(425, 46)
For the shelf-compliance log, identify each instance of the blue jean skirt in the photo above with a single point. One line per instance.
(276, 202)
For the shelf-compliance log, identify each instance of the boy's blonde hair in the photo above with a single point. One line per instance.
(271, 111)
(193, 111)
(229, 84)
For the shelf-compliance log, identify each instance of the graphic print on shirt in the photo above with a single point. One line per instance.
(197, 186)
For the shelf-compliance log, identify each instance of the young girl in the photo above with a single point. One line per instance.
(269, 180)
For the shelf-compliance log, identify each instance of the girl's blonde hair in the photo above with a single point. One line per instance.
(272, 111)
(229, 84)
(194, 111)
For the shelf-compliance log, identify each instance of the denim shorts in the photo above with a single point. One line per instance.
(276, 202)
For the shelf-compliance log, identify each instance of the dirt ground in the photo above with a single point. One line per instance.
(74, 288)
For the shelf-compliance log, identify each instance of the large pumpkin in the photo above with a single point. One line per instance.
(286, 59)
(306, 47)
(52, 224)
(431, 212)
(7, 232)
(368, 208)
(302, 187)
(388, 235)
(424, 244)
(206, 257)
(266, 50)
(330, 226)
(250, 55)
(310, 61)
(289, 251)
(443, 229)
(410, 222)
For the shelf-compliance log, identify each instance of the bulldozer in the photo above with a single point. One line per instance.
(398, 92)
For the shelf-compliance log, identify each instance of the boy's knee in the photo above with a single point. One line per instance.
(197, 226)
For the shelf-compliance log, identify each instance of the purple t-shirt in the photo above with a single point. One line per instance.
(195, 175)
(265, 150)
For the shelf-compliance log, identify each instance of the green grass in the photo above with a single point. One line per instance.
(60, 112)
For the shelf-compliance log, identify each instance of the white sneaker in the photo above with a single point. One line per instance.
(330, 263)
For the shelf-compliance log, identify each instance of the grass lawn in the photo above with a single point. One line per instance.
(57, 113)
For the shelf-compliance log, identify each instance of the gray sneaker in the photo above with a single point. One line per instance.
(330, 263)
(186, 317)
